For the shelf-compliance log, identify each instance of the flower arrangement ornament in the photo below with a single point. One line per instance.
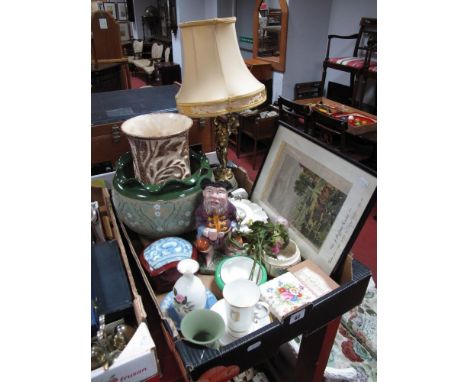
(265, 238)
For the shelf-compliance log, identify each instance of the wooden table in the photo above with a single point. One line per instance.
(368, 132)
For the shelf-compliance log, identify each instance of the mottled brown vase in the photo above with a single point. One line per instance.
(159, 145)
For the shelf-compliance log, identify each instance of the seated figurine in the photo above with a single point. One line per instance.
(214, 218)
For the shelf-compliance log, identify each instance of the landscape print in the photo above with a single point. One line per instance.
(309, 202)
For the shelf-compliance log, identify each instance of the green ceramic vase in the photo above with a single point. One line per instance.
(165, 209)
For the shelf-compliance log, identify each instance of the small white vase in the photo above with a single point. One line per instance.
(189, 291)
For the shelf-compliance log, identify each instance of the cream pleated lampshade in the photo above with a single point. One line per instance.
(215, 79)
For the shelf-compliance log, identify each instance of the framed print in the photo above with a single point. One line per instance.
(122, 11)
(325, 197)
(110, 7)
(124, 31)
(100, 5)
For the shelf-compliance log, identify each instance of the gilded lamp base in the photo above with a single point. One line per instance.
(224, 126)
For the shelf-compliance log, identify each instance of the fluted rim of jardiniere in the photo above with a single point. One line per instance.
(125, 183)
(157, 125)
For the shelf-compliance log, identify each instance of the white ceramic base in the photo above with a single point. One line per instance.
(228, 337)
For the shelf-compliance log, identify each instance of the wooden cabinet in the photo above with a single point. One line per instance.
(106, 77)
(110, 109)
(263, 72)
(108, 143)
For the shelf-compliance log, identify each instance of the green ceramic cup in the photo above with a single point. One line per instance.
(203, 327)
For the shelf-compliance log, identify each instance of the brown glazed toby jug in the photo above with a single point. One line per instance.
(159, 145)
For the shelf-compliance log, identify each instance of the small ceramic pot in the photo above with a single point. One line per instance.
(159, 144)
(238, 267)
(203, 327)
(158, 210)
(289, 256)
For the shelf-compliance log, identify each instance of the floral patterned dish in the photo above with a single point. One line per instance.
(167, 306)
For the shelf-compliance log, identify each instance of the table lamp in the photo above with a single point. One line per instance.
(216, 81)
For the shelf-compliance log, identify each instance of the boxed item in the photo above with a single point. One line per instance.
(136, 363)
(138, 360)
(251, 349)
(344, 195)
(109, 286)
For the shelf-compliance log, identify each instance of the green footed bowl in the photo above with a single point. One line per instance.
(165, 209)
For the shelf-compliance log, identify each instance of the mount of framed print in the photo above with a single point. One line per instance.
(325, 197)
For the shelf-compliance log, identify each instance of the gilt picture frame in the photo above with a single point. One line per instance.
(325, 197)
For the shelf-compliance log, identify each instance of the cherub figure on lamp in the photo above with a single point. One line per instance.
(214, 219)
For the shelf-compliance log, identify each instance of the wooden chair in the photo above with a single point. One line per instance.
(307, 90)
(137, 51)
(329, 130)
(166, 73)
(294, 115)
(363, 56)
(370, 71)
(332, 132)
(106, 45)
(146, 65)
(258, 128)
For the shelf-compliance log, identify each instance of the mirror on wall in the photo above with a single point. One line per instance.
(270, 28)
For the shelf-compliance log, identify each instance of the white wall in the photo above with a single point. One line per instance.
(306, 44)
(189, 10)
(139, 7)
(226, 8)
(310, 22)
(244, 25)
(344, 20)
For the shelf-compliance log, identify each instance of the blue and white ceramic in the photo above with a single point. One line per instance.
(167, 306)
(167, 250)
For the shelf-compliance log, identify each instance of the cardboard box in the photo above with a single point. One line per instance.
(255, 347)
(352, 279)
(138, 361)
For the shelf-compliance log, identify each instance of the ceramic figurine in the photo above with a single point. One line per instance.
(214, 218)
(189, 291)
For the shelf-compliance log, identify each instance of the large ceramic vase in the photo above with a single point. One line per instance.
(166, 209)
(159, 144)
(189, 291)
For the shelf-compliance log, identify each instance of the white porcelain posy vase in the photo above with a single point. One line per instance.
(189, 291)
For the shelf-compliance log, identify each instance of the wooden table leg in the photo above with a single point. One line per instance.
(314, 353)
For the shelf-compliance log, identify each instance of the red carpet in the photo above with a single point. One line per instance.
(137, 82)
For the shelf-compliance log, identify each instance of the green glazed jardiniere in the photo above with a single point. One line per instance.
(165, 209)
